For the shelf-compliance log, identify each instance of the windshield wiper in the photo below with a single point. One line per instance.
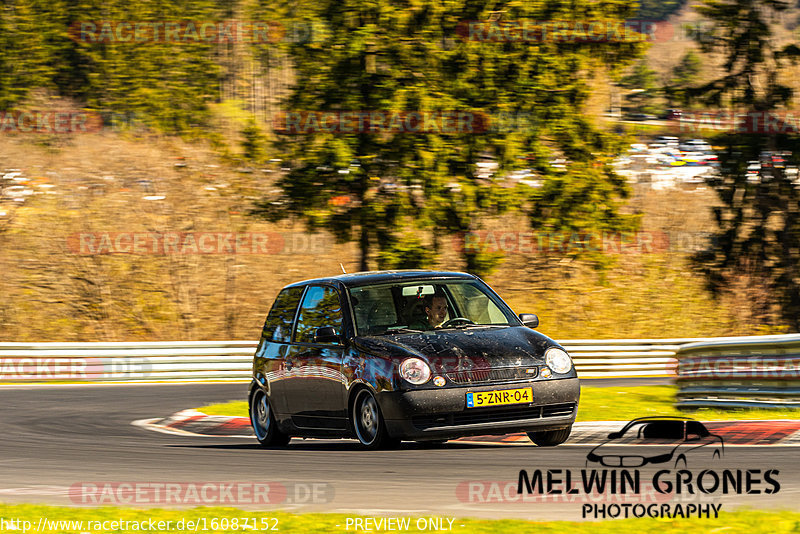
(473, 325)
(402, 331)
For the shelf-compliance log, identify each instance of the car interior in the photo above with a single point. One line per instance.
(378, 309)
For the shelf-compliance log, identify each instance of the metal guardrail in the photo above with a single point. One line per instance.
(631, 357)
(170, 361)
(755, 372)
(595, 359)
(194, 361)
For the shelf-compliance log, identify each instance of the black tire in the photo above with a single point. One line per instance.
(550, 438)
(263, 421)
(368, 423)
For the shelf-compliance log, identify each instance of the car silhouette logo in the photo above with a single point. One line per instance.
(658, 440)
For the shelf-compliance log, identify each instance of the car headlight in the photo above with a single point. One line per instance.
(415, 371)
(557, 360)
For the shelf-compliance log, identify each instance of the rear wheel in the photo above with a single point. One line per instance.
(368, 422)
(550, 438)
(263, 420)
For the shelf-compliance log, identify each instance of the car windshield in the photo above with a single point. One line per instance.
(427, 305)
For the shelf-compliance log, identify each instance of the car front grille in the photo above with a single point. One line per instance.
(482, 376)
(492, 415)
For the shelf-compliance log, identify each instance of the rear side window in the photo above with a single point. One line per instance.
(278, 326)
(695, 430)
(320, 308)
(374, 308)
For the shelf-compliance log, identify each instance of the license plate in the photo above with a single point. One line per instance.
(479, 399)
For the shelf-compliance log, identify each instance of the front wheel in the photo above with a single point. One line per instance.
(263, 420)
(550, 438)
(368, 422)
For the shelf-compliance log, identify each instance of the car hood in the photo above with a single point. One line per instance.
(470, 348)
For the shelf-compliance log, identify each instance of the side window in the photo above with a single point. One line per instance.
(474, 304)
(278, 326)
(695, 430)
(320, 308)
(373, 308)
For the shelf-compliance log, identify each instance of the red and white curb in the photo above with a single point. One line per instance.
(755, 432)
(194, 423)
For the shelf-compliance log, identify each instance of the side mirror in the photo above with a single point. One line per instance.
(326, 334)
(531, 320)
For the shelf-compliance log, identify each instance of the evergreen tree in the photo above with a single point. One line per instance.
(165, 83)
(254, 142)
(684, 75)
(643, 88)
(757, 246)
(659, 9)
(391, 56)
(22, 54)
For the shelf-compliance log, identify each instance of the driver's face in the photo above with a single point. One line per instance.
(437, 311)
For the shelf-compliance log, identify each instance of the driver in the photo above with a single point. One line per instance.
(435, 313)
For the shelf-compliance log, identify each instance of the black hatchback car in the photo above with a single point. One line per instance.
(406, 355)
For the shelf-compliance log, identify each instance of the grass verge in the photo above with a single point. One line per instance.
(605, 404)
(66, 520)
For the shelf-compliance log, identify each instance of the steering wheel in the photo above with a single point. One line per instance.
(456, 320)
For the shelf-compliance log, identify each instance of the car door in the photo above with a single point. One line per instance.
(270, 360)
(315, 388)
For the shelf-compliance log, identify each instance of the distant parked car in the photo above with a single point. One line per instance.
(18, 193)
(673, 114)
(640, 117)
(777, 160)
(667, 140)
(753, 176)
(699, 158)
(695, 145)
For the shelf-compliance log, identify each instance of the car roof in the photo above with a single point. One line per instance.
(377, 277)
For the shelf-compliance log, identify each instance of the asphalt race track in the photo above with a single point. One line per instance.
(54, 437)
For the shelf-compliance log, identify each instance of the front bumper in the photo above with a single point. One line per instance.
(442, 413)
